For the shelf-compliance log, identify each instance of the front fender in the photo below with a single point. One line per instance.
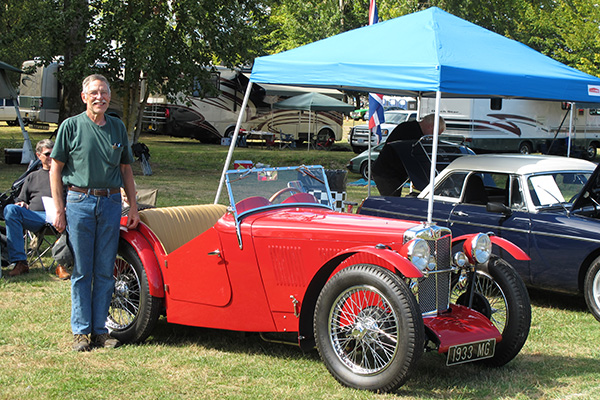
(390, 259)
(509, 246)
(148, 258)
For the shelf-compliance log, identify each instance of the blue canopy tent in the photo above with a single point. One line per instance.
(433, 54)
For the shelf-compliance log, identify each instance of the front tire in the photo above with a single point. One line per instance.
(368, 328)
(133, 311)
(591, 288)
(500, 295)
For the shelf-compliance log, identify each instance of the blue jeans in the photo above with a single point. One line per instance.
(93, 225)
(17, 219)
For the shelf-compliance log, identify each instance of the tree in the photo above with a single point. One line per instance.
(170, 46)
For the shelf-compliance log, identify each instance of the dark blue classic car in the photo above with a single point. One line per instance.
(547, 205)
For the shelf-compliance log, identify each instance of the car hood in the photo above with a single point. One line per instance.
(590, 194)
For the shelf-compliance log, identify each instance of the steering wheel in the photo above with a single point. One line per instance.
(282, 191)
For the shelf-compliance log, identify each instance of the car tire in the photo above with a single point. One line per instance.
(590, 152)
(591, 288)
(364, 169)
(500, 295)
(525, 148)
(366, 307)
(133, 310)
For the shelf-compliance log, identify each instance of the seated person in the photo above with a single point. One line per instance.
(388, 171)
(28, 212)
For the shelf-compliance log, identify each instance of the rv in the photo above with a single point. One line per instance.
(209, 119)
(513, 125)
(40, 94)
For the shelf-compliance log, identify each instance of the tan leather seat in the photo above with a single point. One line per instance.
(175, 226)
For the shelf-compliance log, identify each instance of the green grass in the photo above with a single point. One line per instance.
(559, 361)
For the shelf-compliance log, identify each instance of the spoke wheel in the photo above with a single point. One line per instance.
(500, 295)
(133, 311)
(368, 328)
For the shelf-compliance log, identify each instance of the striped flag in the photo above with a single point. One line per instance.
(376, 116)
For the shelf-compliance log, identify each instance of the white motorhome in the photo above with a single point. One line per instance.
(40, 93)
(209, 119)
(514, 125)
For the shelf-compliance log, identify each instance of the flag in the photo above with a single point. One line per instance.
(373, 17)
(376, 117)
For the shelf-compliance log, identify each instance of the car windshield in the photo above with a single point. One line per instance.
(258, 188)
(558, 188)
(395, 118)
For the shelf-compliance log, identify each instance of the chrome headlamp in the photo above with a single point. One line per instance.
(417, 252)
(481, 248)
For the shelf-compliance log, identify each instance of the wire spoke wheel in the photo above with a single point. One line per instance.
(364, 330)
(125, 303)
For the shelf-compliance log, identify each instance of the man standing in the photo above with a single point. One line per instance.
(28, 211)
(93, 159)
(388, 171)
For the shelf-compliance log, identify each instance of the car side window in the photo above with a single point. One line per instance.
(451, 186)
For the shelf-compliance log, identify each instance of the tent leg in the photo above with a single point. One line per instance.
(233, 141)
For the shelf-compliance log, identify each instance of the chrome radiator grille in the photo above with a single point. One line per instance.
(433, 290)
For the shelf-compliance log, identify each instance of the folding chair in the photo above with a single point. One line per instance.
(39, 245)
(286, 141)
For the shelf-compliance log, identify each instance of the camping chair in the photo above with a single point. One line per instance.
(38, 245)
(286, 141)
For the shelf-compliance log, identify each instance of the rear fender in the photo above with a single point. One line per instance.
(510, 247)
(147, 256)
(389, 259)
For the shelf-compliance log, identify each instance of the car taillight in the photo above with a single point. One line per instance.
(167, 113)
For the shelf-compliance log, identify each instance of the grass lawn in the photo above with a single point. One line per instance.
(559, 361)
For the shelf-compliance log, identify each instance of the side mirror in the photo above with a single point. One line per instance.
(498, 208)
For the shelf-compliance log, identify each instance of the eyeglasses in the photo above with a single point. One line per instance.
(47, 154)
(94, 93)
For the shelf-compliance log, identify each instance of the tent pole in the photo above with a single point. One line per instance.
(434, 148)
(233, 141)
(570, 131)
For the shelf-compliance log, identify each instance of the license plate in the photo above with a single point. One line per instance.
(468, 352)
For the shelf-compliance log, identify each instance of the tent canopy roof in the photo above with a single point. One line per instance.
(314, 102)
(425, 52)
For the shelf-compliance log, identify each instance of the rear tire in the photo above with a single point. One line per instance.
(525, 148)
(133, 310)
(591, 288)
(368, 328)
(501, 296)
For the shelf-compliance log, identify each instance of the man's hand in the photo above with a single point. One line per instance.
(60, 221)
(22, 204)
(133, 219)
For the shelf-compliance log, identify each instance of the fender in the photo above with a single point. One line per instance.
(509, 246)
(309, 300)
(406, 268)
(148, 258)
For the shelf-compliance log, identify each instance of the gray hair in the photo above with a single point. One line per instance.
(428, 122)
(44, 144)
(94, 77)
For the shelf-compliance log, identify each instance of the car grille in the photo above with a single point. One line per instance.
(433, 290)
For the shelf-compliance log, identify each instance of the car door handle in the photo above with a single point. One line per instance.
(215, 253)
(460, 213)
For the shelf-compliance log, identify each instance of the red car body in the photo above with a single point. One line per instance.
(263, 267)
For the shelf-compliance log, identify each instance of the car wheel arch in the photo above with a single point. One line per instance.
(387, 259)
(147, 256)
(585, 267)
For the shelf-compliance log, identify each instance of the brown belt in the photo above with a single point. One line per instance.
(95, 192)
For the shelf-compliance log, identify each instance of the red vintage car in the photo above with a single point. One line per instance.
(372, 294)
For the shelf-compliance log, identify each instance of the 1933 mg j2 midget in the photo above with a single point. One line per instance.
(370, 293)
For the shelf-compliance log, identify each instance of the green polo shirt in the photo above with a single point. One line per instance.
(92, 154)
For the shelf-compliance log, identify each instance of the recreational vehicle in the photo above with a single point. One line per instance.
(513, 125)
(40, 93)
(209, 119)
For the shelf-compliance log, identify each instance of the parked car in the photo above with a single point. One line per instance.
(9, 114)
(359, 135)
(547, 205)
(447, 152)
(360, 114)
(370, 293)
